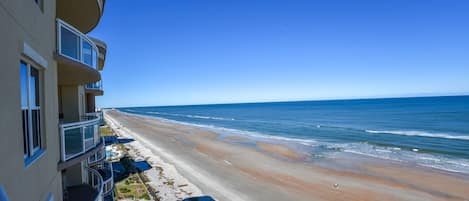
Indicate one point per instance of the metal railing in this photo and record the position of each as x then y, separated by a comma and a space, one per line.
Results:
96, 181
75, 45
92, 115
101, 117
95, 86
105, 169
79, 137
98, 156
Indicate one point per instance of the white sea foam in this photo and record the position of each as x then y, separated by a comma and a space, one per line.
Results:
365, 149
307, 142
387, 153
419, 133
422, 159
223, 130
193, 116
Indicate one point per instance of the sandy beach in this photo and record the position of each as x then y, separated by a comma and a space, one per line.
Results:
228, 170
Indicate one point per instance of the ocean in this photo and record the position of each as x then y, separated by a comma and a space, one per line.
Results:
426, 131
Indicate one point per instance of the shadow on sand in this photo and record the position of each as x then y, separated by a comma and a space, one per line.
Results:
127, 166
108, 140
199, 198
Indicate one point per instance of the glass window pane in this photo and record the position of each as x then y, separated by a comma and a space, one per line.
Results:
25, 131
34, 87
73, 141
69, 43
87, 53
95, 58
24, 84
36, 128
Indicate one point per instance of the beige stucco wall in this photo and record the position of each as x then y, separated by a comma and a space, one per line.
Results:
70, 106
73, 175
72, 102
21, 21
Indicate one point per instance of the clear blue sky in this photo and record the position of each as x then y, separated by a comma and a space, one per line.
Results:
171, 52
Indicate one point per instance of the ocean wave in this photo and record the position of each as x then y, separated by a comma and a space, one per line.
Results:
421, 159
256, 135
365, 149
193, 116
420, 134
230, 131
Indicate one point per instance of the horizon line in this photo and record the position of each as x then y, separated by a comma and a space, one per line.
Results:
305, 100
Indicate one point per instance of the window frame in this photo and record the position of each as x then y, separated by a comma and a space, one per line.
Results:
33, 152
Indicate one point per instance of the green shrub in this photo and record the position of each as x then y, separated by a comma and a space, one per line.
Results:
145, 196
124, 190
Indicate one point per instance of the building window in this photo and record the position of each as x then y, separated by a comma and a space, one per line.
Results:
30, 110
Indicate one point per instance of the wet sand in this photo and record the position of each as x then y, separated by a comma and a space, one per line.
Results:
229, 171
279, 150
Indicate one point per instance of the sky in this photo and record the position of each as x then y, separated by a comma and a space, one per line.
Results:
183, 52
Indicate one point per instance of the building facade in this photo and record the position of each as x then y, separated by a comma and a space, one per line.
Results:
49, 125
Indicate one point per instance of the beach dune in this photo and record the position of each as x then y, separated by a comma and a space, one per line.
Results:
231, 171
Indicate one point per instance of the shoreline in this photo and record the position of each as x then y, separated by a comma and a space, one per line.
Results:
289, 179
302, 146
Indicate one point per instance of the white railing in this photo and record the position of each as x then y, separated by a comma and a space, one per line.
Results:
95, 86
107, 174
75, 45
92, 115
79, 137
98, 156
96, 181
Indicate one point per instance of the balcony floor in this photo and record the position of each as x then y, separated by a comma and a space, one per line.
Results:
81, 193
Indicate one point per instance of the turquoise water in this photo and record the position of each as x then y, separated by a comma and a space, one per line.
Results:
428, 131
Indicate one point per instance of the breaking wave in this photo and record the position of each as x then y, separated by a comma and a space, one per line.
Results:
193, 116
420, 134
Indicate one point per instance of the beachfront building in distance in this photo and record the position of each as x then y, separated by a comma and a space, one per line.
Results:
49, 126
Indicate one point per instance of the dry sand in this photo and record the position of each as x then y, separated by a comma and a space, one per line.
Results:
228, 171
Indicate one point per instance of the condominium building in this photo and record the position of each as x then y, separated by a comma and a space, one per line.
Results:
49, 126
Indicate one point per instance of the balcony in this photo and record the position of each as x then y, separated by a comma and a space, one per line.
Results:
109, 197
105, 169
77, 56
102, 48
83, 14
99, 156
93, 115
101, 117
90, 190
95, 88
80, 140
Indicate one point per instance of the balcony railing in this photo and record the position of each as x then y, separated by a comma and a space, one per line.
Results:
93, 115
79, 137
90, 190
95, 86
98, 156
101, 117
96, 181
109, 196
75, 45
105, 169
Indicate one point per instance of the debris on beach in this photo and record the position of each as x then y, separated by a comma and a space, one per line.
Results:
161, 178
